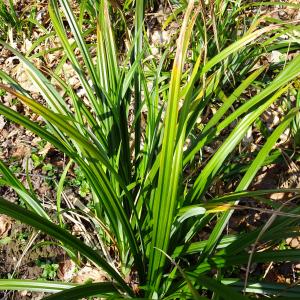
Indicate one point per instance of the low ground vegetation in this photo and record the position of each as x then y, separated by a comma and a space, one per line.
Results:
159, 152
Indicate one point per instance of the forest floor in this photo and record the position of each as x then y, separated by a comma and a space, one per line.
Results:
27, 254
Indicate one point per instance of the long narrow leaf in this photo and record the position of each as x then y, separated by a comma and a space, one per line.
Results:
102, 289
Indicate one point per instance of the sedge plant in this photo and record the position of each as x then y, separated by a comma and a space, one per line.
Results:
138, 135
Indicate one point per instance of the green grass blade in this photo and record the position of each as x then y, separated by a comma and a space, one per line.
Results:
265, 288
198, 247
220, 289
101, 289
138, 48
34, 285
169, 171
242, 259
59, 191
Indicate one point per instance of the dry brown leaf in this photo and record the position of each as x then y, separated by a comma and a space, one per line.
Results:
293, 242
277, 196
89, 273
5, 225
13, 133
66, 270
46, 149
21, 151
2, 123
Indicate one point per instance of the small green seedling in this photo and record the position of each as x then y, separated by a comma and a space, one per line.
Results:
49, 269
